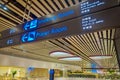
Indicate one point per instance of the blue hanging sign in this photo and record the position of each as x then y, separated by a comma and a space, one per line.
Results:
93, 66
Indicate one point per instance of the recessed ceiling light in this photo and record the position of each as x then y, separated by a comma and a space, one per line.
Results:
60, 54
5, 8
71, 59
100, 57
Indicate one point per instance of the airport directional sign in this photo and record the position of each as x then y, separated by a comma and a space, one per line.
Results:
82, 9
106, 19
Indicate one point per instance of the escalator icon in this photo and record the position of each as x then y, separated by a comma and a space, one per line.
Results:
28, 37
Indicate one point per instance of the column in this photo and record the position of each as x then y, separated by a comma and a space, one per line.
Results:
117, 45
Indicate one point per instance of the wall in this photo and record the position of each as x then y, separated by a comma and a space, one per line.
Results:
6, 60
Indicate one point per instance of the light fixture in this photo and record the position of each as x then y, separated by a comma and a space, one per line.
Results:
101, 57
60, 54
5, 8
74, 58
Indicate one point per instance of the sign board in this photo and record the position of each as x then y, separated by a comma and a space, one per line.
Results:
93, 22
84, 8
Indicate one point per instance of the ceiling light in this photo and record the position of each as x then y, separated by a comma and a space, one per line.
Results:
100, 57
60, 54
5, 8
71, 59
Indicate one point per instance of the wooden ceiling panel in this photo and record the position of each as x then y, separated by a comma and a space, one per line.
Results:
40, 6
64, 3
76, 1
17, 10
58, 4
28, 7
52, 4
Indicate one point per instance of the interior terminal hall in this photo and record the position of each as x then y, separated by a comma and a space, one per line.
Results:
59, 39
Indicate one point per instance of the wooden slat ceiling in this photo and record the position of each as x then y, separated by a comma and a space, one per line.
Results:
97, 43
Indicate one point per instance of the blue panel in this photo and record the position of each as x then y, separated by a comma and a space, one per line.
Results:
51, 31
56, 17
30, 25
51, 73
35, 35
30, 68
66, 14
93, 65
28, 37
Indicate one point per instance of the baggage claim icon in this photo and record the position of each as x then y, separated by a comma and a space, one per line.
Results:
28, 37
